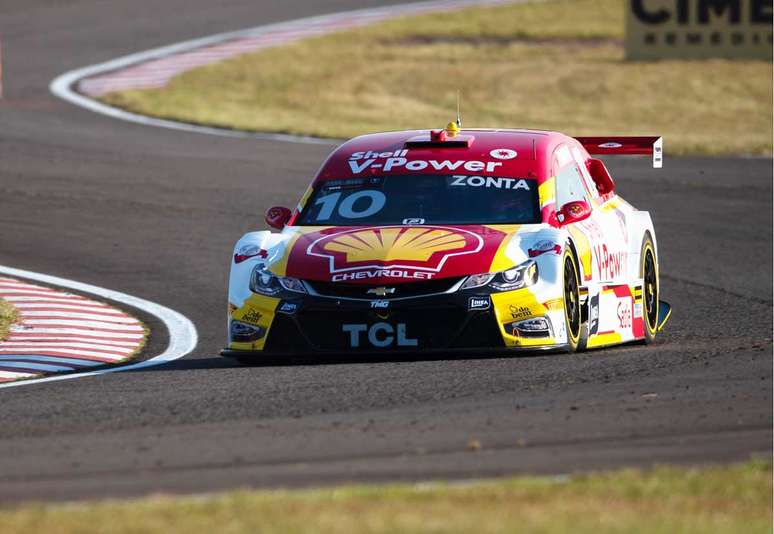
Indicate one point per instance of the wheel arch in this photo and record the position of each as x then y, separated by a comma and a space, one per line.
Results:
576, 258
640, 228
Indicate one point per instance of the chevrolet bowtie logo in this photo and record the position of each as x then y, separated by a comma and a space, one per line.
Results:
381, 291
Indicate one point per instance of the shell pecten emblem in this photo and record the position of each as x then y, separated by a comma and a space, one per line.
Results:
388, 244
416, 248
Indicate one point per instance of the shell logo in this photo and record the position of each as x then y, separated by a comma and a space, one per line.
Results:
421, 248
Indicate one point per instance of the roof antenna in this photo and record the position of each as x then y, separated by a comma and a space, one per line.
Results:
459, 117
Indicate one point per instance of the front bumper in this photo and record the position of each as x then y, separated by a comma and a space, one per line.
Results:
466, 321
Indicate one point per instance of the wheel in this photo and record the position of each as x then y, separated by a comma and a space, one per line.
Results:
572, 307
649, 274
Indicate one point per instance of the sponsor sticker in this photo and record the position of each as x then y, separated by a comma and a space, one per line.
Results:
503, 153
379, 155
381, 291
489, 182
554, 304
479, 303
541, 247
610, 265
398, 163
251, 316
288, 307
519, 312
624, 312
379, 335
380, 304
245, 252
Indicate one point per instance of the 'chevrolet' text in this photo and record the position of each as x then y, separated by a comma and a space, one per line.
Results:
381, 273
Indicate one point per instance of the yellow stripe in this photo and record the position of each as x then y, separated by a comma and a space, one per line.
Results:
305, 198
279, 268
257, 310
604, 339
547, 192
501, 262
610, 205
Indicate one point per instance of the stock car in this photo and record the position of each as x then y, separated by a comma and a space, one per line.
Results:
435, 240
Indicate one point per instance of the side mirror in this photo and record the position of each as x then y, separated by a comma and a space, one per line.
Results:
277, 217
574, 211
601, 177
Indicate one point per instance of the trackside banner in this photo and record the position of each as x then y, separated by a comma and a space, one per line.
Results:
697, 29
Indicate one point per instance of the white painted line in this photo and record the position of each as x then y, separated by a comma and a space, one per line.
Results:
36, 366
51, 359
64, 85
10, 375
64, 354
183, 336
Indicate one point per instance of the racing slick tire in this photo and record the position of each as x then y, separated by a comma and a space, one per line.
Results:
572, 307
649, 275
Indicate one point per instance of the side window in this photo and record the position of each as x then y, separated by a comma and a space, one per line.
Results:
569, 186
591, 187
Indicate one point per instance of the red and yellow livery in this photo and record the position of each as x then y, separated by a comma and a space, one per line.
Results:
451, 239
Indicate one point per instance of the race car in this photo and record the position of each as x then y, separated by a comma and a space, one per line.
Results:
451, 239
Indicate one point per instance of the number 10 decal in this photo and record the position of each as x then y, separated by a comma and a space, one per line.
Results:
346, 208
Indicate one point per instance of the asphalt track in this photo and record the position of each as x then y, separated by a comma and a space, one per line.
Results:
154, 213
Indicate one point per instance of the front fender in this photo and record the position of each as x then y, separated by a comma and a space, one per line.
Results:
253, 248
546, 247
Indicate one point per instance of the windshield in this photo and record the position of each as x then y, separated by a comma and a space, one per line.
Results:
422, 199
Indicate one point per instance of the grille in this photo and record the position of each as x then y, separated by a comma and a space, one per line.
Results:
403, 290
480, 332
433, 328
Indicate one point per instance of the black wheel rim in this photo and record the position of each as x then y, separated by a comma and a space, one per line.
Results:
572, 309
651, 290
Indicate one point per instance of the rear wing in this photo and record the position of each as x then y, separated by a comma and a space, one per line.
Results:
625, 146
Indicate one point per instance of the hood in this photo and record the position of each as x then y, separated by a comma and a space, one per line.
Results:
394, 254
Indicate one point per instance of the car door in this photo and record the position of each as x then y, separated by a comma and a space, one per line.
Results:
600, 238
601, 243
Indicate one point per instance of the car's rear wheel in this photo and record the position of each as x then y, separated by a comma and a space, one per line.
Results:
649, 274
572, 306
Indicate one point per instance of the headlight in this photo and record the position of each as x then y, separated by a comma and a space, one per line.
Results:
522, 275
477, 280
264, 282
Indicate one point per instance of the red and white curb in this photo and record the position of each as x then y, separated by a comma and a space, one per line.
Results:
154, 68
58, 331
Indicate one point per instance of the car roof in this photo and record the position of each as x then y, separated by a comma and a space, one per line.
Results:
490, 152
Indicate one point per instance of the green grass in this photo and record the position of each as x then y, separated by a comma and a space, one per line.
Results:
7, 317
664, 500
557, 64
